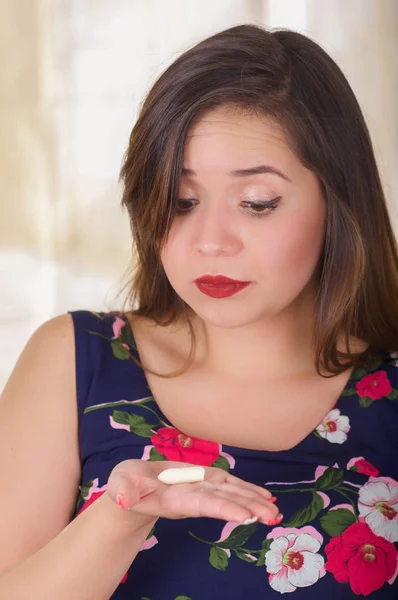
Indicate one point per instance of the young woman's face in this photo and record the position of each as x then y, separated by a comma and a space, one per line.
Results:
249, 210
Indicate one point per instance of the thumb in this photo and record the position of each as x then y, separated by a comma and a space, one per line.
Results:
128, 489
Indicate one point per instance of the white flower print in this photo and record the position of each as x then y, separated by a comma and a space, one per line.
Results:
378, 506
334, 427
292, 560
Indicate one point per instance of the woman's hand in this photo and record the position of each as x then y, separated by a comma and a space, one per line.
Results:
134, 485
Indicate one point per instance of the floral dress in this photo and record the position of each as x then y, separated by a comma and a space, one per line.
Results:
337, 488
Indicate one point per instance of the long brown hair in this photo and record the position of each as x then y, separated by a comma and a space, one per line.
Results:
287, 76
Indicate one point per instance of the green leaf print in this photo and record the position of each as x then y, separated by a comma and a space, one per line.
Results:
243, 556
393, 395
119, 351
137, 423
264, 549
141, 402
140, 427
358, 373
238, 536
126, 336
221, 463
350, 392
365, 401
306, 514
154, 454
218, 558
84, 489
374, 363
122, 417
330, 479
336, 521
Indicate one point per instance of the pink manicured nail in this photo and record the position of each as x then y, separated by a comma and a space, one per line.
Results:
272, 499
275, 521
120, 501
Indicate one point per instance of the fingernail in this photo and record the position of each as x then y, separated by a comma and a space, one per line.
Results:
275, 521
250, 521
272, 499
120, 501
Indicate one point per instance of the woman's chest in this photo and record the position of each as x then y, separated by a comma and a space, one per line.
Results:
270, 416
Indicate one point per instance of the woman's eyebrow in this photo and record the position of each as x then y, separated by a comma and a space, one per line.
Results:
259, 170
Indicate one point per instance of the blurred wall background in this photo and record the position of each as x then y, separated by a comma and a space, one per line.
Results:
72, 75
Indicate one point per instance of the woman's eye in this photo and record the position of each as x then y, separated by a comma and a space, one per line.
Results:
185, 205
261, 208
255, 209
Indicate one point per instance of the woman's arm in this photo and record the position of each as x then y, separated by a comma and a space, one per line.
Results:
86, 561
42, 553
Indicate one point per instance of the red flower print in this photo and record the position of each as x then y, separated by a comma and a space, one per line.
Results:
375, 386
174, 445
94, 496
366, 468
359, 557
360, 465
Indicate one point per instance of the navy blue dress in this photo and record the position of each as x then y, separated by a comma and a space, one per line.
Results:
337, 489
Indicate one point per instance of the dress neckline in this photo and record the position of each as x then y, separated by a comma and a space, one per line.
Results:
251, 452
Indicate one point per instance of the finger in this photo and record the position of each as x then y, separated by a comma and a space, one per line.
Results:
187, 502
221, 476
265, 512
128, 489
249, 492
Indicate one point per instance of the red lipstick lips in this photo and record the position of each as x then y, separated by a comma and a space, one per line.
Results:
219, 286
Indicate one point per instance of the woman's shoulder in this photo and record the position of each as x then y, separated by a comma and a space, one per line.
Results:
163, 348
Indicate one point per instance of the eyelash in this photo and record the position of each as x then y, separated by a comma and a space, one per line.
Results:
271, 205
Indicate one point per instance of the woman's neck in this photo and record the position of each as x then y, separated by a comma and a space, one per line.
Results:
272, 348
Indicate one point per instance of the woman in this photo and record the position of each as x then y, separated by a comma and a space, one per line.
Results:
261, 347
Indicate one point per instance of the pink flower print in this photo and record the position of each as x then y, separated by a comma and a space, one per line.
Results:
320, 471
293, 560
149, 543
116, 425
394, 355
378, 506
228, 457
375, 386
117, 327
346, 506
361, 465
226, 532
147, 452
334, 427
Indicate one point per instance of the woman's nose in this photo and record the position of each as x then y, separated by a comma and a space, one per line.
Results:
215, 235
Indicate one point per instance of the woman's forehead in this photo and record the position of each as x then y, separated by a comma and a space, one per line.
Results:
229, 141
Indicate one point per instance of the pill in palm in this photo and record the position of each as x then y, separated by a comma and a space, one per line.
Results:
182, 475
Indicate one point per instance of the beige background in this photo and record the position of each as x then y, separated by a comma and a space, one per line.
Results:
72, 75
